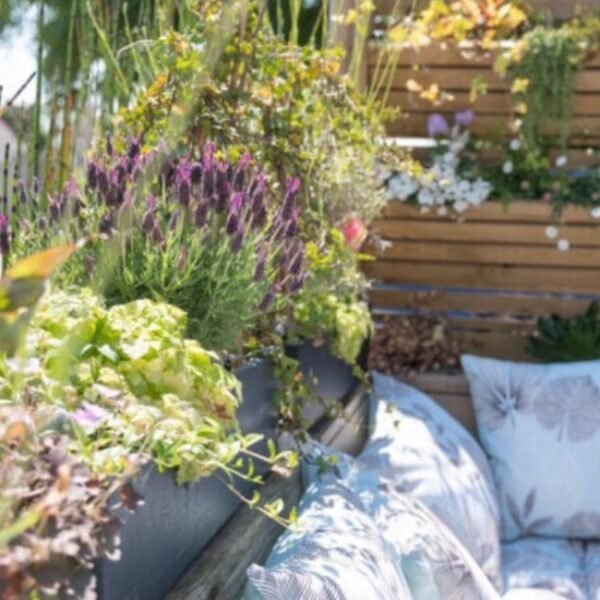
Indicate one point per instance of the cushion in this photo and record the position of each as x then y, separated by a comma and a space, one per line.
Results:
435, 564
555, 568
540, 425
334, 553
425, 452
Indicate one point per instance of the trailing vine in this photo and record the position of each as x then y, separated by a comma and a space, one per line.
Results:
543, 66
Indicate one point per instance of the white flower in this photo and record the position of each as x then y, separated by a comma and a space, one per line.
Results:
402, 186
442, 211
515, 145
508, 167
460, 206
595, 212
563, 245
425, 197
551, 232
561, 161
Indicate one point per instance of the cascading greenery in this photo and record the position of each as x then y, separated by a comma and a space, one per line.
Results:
543, 66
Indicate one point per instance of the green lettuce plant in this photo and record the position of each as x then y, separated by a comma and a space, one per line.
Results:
129, 383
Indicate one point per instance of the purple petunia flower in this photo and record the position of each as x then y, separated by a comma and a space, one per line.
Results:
437, 125
464, 118
89, 416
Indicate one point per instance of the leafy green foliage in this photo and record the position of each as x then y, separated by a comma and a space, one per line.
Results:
289, 107
567, 340
130, 383
330, 306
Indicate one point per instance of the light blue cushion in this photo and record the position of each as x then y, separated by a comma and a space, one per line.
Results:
423, 451
540, 425
435, 563
335, 553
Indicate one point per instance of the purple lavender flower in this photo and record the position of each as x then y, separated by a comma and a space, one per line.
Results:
103, 183
134, 148
464, 118
22, 192
184, 185
437, 125
196, 173
289, 200
89, 416
269, 297
296, 284
156, 234
233, 223
107, 223
4, 235
239, 176
261, 263
237, 241
296, 263
201, 214
92, 175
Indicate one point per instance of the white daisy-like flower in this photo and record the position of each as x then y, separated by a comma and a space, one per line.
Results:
515, 145
551, 232
442, 211
563, 245
595, 212
460, 206
425, 197
561, 161
508, 167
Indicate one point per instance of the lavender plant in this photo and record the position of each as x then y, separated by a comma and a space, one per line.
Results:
202, 234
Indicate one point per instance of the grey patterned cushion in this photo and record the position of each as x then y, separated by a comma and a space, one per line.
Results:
426, 453
540, 425
335, 553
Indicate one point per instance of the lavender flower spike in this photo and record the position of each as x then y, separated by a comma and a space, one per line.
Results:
437, 125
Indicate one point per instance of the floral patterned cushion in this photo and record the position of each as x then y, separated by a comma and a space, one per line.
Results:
426, 453
555, 568
435, 563
335, 553
540, 425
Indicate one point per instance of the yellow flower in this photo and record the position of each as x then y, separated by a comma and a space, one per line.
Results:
351, 17
519, 85
366, 7
521, 108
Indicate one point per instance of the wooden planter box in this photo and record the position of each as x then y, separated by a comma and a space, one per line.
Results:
491, 274
454, 69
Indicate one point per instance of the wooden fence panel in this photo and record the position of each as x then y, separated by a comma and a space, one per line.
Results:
489, 276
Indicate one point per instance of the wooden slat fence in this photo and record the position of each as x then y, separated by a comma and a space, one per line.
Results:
454, 70
489, 275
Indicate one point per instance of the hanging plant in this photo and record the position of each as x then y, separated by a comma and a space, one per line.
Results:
542, 67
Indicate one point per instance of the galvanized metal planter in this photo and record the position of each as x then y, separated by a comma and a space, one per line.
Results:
169, 531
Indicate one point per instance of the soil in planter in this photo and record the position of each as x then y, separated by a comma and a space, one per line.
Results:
412, 344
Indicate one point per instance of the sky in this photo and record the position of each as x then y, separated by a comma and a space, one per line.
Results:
17, 61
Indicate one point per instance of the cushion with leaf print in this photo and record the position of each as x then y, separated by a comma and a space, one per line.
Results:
436, 565
554, 568
540, 426
335, 552
426, 453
